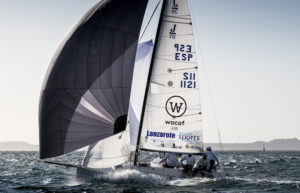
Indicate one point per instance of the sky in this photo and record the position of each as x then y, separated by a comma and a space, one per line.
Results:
248, 53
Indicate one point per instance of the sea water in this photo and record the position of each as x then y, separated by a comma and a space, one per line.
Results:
251, 171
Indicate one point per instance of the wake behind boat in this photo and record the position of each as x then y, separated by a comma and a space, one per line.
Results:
91, 174
109, 90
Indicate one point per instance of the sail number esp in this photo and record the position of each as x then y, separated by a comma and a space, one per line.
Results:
183, 52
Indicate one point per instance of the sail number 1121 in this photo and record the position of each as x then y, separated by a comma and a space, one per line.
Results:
189, 80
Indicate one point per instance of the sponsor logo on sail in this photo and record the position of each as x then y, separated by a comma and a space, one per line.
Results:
160, 134
196, 147
174, 7
174, 123
173, 32
176, 106
189, 137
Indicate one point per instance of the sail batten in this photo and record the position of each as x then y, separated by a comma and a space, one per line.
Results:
87, 86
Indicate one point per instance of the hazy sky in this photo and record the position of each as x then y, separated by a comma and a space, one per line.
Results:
251, 50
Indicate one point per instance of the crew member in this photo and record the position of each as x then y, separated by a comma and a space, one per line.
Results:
190, 161
170, 160
212, 159
202, 165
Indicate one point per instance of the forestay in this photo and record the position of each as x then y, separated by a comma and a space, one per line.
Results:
172, 119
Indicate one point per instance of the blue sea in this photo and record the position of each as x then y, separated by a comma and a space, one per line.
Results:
245, 172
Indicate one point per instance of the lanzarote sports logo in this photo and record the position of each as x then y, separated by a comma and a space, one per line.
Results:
176, 106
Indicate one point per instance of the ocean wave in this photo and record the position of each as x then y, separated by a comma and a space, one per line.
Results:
230, 163
264, 180
246, 172
131, 176
279, 160
189, 182
136, 177
256, 161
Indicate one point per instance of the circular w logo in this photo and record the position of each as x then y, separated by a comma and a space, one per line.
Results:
176, 106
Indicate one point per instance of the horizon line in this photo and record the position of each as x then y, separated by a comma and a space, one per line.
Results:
204, 142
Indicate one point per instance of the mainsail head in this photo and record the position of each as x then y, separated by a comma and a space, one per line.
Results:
85, 95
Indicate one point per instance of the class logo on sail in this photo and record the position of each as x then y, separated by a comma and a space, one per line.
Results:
174, 7
176, 106
173, 32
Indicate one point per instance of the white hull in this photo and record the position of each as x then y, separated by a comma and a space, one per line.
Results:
169, 173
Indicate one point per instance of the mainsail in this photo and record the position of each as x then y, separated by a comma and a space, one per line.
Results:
172, 117
85, 95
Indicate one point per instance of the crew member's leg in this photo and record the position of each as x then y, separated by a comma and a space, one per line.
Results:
201, 169
211, 165
189, 169
195, 171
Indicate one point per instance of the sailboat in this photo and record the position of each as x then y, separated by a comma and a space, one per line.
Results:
108, 90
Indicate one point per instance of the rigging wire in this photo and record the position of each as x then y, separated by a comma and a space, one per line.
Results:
208, 87
149, 20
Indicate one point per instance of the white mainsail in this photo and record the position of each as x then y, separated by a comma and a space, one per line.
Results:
172, 118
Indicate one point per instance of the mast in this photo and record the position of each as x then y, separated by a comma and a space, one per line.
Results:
148, 83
